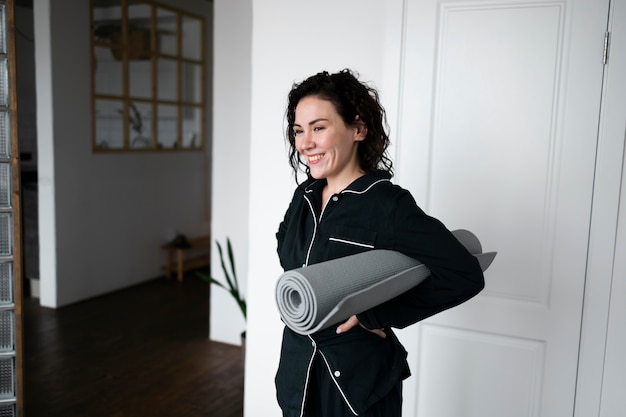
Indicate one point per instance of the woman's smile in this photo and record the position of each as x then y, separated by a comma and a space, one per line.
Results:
313, 159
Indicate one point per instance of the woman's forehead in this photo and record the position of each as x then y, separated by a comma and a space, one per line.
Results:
313, 106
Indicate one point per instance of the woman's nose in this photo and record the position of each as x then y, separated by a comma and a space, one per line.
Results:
306, 141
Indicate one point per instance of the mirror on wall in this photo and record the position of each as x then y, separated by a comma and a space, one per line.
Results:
148, 77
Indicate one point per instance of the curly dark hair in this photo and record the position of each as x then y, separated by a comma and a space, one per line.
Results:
351, 99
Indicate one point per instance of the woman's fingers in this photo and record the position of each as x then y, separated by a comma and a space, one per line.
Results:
354, 321
347, 325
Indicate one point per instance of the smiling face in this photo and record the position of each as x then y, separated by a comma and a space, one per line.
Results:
326, 143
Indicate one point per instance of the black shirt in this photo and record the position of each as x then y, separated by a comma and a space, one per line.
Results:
371, 213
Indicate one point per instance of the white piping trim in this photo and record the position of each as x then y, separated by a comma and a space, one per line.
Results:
330, 372
308, 377
308, 252
325, 205
308, 187
351, 242
367, 189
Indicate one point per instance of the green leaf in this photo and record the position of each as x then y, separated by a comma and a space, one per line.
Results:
231, 259
229, 280
232, 283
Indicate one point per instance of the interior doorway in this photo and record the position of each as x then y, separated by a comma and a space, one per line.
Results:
27, 136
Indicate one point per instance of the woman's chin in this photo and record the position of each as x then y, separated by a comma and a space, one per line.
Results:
317, 174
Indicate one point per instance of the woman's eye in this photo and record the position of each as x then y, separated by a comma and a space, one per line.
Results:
318, 128
296, 132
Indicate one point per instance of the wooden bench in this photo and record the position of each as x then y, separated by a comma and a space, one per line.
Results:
197, 255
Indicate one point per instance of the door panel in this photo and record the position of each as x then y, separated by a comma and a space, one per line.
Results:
506, 71
444, 354
499, 120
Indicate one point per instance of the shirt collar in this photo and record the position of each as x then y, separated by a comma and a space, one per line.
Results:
359, 186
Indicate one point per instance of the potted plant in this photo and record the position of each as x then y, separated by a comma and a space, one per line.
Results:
232, 283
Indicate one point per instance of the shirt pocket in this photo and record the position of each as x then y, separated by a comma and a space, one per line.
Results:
348, 240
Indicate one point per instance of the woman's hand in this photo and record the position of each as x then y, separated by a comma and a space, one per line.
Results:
353, 321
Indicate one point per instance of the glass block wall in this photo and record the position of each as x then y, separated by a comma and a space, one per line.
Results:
8, 390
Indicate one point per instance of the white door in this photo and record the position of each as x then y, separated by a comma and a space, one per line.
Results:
498, 130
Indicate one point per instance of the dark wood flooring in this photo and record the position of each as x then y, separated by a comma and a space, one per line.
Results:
139, 352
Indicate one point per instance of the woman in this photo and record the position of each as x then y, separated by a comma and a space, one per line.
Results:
336, 132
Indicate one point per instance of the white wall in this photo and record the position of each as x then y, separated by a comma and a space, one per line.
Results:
102, 217
231, 161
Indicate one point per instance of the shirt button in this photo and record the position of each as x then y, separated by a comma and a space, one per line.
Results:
335, 198
337, 374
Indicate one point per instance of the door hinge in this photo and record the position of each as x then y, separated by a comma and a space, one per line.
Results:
605, 52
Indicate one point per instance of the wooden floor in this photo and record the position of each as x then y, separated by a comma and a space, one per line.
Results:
141, 352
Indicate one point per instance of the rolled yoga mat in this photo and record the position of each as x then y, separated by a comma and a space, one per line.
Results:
315, 297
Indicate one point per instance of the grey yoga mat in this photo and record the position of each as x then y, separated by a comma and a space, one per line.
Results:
315, 297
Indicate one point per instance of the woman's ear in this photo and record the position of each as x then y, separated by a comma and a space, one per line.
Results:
360, 129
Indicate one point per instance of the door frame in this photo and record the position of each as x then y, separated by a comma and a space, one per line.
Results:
602, 254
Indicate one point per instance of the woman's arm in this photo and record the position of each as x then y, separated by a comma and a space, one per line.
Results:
455, 276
